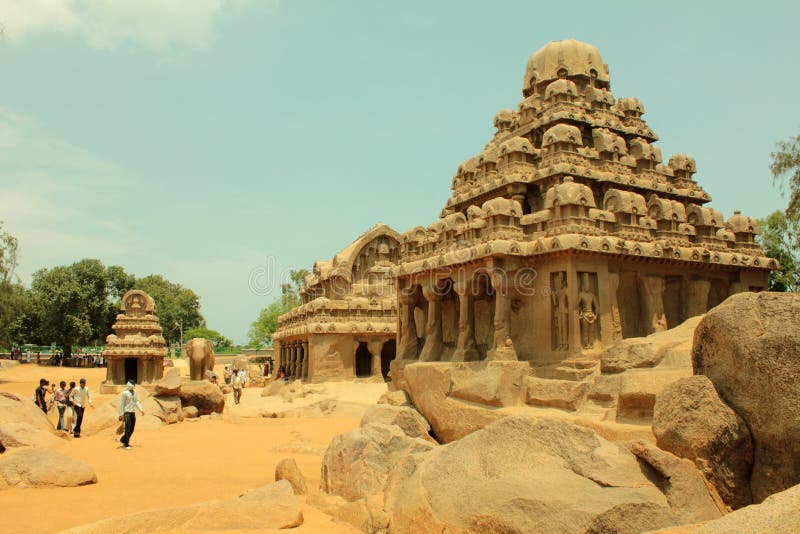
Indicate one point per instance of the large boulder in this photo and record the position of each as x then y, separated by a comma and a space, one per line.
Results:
679, 480
691, 421
275, 387
16, 409
778, 514
168, 409
522, 474
748, 346
27, 435
407, 418
169, 384
357, 464
639, 389
367, 515
205, 396
668, 349
33, 467
395, 398
430, 386
287, 469
273, 506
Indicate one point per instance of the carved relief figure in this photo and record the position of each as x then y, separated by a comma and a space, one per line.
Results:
560, 312
587, 313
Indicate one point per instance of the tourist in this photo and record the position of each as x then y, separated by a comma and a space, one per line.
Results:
60, 398
28, 356
266, 368
69, 420
243, 377
227, 374
128, 404
40, 395
80, 396
39, 357
237, 388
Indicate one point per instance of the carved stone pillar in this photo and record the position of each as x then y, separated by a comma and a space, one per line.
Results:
306, 358
696, 297
466, 346
408, 342
651, 290
375, 347
432, 350
292, 359
502, 346
296, 360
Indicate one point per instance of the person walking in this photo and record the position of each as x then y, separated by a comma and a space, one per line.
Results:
128, 404
60, 398
237, 388
80, 396
40, 395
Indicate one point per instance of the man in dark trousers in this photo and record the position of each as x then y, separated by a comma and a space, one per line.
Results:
80, 397
40, 394
128, 404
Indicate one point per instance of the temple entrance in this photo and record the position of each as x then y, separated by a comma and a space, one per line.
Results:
132, 370
363, 360
387, 355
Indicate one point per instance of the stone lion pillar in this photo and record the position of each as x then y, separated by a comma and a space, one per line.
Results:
408, 342
466, 347
651, 291
432, 350
306, 358
502, 345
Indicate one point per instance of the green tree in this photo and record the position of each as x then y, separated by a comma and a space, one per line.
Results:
777, 241
261, 330
177, 307
72, 304
206, 333
13, 296
785, 167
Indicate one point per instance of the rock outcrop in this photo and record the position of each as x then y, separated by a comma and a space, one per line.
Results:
27, 435
287, 469
34, 467
273, 506
16, 409
357, 464
169, 384
522, 474
691, 421
205, 396
669, 349
407, 418
748, 347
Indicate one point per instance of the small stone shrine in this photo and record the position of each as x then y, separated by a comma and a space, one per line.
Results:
135, 351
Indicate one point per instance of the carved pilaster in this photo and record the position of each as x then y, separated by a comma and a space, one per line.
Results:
466, 347
432, 350
408, 340
306, 358
651, 290
502, 346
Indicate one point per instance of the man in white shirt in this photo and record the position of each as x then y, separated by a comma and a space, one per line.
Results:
80, 397
128, 404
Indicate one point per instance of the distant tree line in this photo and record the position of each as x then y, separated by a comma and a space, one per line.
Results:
266, 324
76, 304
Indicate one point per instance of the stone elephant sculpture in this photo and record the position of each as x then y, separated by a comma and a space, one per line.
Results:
201, 357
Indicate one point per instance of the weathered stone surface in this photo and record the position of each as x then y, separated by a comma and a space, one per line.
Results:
691, 421
273, 388
367, 515
495, 383
190, 412
407, 418
748, 346
357, 464
395, 398
673, 347
564, 394
287, 469
525, 475
778, 514
273, 506
27, 435
429, 385
16, 409
170, 383
293, 390
33, 467
638, 391
167, 409
102, 419
680, 481
205, 396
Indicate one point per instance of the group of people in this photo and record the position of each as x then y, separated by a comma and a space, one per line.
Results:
71, 403
237, 378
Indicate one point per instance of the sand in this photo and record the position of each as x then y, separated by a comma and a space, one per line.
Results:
179, 464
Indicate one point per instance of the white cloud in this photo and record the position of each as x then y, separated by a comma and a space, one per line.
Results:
156, 24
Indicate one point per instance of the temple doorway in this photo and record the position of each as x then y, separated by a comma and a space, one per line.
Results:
363, 360
132, 370
387, 355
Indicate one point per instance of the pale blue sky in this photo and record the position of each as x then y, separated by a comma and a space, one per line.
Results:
205, 139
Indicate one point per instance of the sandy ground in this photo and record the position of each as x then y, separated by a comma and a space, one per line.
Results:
180, 464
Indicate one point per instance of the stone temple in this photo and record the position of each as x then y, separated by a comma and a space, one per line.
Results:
566, 234
347, 323
135, 351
